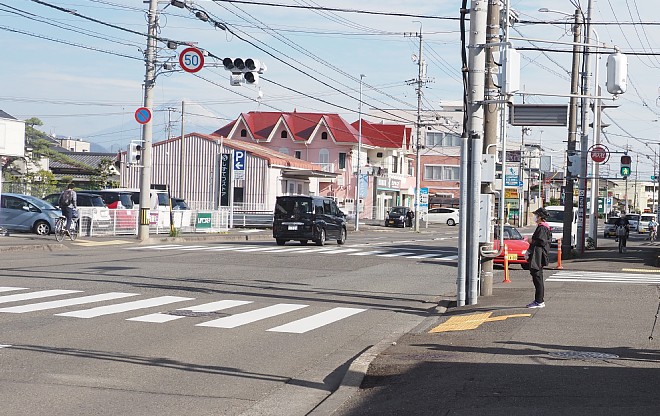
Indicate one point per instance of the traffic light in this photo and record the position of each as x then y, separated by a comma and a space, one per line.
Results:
625, 165
134, 153
574, 164
246, 71
617, 73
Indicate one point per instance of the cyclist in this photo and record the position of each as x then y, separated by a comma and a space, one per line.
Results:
622, 227
68, 202
653, 229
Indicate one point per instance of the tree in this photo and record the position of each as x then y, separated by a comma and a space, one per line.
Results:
102, 174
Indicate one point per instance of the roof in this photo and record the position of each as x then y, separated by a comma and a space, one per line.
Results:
5, 115
384, 135
87, 158
301, 125
273, 157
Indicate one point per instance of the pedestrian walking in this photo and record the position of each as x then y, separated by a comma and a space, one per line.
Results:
68, 203
410, 215
538, 255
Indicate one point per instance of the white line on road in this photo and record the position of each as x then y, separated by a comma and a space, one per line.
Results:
4, 345
206, 307
403, 253
339, 250
36, 295
422, 256
316, 321
124, 307
9, 289
252, 316
65, 302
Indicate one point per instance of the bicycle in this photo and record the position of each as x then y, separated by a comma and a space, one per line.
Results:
61, 232
653, 234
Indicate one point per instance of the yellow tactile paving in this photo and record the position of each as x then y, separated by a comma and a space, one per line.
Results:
465, 322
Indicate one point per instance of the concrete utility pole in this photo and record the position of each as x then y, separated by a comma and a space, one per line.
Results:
357, 171
491, 116
566, 244
418, 125
584, 139
182, 155
147, 128
476, 82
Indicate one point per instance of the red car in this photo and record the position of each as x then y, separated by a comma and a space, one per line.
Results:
517, 246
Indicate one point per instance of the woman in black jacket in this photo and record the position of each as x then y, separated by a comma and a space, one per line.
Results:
538, 255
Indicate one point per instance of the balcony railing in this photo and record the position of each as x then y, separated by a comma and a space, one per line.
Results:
326, 167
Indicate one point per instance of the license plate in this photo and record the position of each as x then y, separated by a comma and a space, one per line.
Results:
293, 227
512, 257
391, 222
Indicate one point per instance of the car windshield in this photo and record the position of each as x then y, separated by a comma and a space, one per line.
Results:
555, 216
126, 200
39, 203
612, 220
287, 207
398, 210
632, 217
96, 201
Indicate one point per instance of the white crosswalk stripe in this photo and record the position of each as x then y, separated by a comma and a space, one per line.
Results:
252, 316
11, 289
35, 295
605, 277
66, 302
124, 307
298, 326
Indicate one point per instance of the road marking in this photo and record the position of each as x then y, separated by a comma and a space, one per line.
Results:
466, 322
4, 346
92, 243
9, 289
124, 307
206, 307
366, 253
403, 253
252, 316
339, 251
422, 256
449, 258
229, 248
151, 247
603, 277
36, 295
316, 321
255, 249
641, 270
283, 250
188, 248
65, 302
172, 247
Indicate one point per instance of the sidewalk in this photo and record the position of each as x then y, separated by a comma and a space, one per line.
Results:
587, 353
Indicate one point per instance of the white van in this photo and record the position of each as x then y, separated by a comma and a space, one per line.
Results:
556, 222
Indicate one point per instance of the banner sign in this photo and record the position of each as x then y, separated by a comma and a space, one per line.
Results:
203, 220
225, 179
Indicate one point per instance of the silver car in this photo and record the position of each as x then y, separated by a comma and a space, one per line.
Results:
26, 213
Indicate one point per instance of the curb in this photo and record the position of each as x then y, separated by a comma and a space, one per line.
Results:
356, 372
34, 247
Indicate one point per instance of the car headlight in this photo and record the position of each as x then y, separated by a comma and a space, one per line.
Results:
53, 215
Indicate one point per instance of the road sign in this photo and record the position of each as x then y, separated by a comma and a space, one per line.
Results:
511, 180
191, 59
599, 153
239, 164
143, 115
424, 198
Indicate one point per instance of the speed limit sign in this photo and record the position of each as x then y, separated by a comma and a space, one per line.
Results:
191, 59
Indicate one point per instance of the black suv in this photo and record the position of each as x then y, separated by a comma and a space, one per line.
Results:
305, 218
398, 217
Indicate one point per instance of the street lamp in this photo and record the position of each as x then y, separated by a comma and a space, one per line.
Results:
357, 170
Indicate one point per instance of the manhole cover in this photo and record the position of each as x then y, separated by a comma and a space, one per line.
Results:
190, 313
578, 355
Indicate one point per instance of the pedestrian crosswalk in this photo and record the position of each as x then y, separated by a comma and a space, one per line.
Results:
605, 277
415, 254
193, 311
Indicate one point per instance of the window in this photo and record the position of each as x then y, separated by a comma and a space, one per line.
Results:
379, 154
342, 160
300, 188
395, 164
436, 138
298, 154
284, 134
324, 156
441, 173
324, 135
243, 133
411, 169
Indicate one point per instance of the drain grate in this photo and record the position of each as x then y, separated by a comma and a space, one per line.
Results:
582, 355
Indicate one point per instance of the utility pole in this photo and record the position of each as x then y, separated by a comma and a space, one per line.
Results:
491, 116
182, 155
147, 128
357, 171
566, 243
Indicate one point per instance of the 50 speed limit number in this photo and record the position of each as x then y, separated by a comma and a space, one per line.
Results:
191, 59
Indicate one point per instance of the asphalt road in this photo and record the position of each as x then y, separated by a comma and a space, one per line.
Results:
207, 328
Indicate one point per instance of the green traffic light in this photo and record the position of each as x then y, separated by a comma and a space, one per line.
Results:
625, 171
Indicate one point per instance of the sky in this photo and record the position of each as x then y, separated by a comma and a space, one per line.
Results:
82, 73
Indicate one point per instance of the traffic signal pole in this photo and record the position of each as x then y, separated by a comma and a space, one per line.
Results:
147, 128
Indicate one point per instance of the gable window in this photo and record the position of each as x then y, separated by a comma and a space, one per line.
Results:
298, 154
342, 160
284, 134
244, 133
324, 135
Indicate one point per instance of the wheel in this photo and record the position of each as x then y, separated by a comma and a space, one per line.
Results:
280, 242
451, 222
303, 242
73, 233
342, 237
41, 228
59, 231
321, 239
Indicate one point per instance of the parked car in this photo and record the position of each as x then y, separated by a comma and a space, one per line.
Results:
179, 203
91, 209
113, 199
610, 227
633, 219
26, 213
516, 244
304, 218
643, 226
447, 216
397, 217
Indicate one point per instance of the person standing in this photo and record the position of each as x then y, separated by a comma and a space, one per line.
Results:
410, 215
68, 202
538, 255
